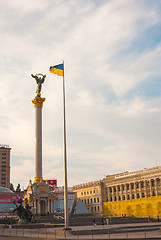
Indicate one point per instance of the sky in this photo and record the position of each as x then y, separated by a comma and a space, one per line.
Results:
112, 64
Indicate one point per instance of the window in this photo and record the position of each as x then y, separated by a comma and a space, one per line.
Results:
87, 192
84, 193
115, 198
119, 188
138, 196
143, 195
111, 199
85, 201
98, 208
91, 200
142, 184
137, 185
110, 189
91, 209
94, 200
128, 197
123, 187
94, 191
114, 188
132, 186
90, 192
123, 197
81, 193
95, 209
133, 197
119, 198
152, 183
97, 199
88, 201
127, 186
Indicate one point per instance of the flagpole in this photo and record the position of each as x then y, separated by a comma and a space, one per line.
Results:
66, 217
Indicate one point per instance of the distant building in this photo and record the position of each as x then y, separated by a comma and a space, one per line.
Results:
135, 193
91, 194
5, 165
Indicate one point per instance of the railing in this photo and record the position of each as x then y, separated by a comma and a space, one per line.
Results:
95, 232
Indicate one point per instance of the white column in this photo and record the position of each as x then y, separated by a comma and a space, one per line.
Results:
38, 143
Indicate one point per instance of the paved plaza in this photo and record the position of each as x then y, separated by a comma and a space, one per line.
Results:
121, 231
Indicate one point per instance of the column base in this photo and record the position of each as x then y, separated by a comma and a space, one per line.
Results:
38, 179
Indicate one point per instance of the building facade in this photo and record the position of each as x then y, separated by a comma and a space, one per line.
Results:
91, 194
115, 194
133, 185
5, 166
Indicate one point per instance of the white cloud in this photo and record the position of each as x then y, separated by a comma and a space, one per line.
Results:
103, 136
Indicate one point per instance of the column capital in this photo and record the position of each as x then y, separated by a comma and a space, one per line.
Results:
38, 102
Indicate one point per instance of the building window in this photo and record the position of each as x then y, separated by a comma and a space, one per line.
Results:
91, 200
137, 185
119, 198
123, 197
97, 199
115, 198
114, 188
94, 200
110, 189
142, 184
81, 193
132, 186
87, 192
133, 196
128, 197
127, 186
138, 196
85, 201
94, 191
152, 183
153, 193
95, 209
111, 199
119, 188
143, 195
123, 188
98, 208
84, 193
88, 201
91, 209
90, 192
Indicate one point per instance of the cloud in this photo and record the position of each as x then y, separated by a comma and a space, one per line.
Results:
111, 125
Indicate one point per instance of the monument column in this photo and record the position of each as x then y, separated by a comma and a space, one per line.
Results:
38, 103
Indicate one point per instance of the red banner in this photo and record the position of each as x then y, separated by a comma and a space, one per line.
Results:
9, 198
52, 183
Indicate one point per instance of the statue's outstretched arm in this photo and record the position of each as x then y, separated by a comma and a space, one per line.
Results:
33, 76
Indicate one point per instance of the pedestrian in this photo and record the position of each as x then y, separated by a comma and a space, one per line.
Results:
102, 222
94, 222
107, 221
158, 219
10, 226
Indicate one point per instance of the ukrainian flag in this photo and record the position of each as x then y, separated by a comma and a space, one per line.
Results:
57, 69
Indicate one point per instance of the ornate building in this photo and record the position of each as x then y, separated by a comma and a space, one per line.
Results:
133, 185
5, 165
140, 189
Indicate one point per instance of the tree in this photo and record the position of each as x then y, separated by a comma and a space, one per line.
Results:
12, 187
18, 188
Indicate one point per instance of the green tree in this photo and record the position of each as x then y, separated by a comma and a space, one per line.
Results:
12, 187
18, 188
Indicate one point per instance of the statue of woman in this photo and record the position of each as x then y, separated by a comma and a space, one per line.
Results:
39, 81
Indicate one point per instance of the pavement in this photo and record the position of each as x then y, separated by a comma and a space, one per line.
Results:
115, 231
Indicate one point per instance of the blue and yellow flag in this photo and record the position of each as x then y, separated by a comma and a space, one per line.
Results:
57, 69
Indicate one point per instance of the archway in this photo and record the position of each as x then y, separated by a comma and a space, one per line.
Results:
149, 210
42, 207
128, 210
138, 210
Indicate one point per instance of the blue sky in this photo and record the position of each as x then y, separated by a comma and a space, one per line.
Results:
112, 54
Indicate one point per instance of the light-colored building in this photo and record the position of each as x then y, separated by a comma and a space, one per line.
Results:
133, 185
5, 165
91, 195
129, 193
